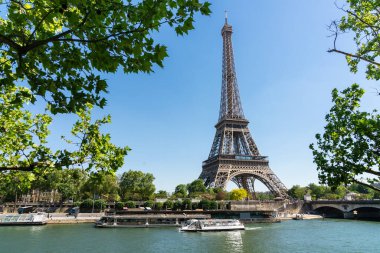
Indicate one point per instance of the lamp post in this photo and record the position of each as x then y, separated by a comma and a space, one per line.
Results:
93, 203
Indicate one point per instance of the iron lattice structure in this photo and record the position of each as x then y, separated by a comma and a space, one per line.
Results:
234, 155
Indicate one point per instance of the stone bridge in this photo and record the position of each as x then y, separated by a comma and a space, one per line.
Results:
346, 208
266, 206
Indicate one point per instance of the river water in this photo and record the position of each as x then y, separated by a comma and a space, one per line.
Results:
289, 236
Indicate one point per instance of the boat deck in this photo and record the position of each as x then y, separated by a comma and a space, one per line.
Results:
147, 220
20, 220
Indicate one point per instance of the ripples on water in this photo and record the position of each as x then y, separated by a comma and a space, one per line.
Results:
290, 236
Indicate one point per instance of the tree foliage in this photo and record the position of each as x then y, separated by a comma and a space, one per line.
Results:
177, 205
186, 204
363, 192
158, 206
362, 19
130, 204
15, 183
222, 195
67, 182
264, 195
161, 194
297, 192
349, 150
238, 194
168, 204
60, 48
24, 145
57, 51
180, 191
197, 186
102, 185
204, 204
136, 185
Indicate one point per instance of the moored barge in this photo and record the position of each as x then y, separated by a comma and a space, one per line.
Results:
146, 220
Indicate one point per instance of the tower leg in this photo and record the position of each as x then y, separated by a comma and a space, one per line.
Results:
246, 182
243, 177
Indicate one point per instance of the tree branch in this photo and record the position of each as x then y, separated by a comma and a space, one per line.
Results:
361, 20
377, 173
30, 167
367, 185
46, 164
37, 43
354, 56
112, 34
9, 42
39, 24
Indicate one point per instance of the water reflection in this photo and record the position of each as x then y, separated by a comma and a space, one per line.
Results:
223, 241
234, 241
36, 229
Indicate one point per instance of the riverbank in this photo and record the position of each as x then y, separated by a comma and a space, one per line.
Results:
91, 218
304, 217
63, 218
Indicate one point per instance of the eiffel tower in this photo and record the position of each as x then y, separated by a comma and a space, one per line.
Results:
234, 155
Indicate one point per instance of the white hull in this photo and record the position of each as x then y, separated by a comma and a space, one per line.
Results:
213, 225
213, 229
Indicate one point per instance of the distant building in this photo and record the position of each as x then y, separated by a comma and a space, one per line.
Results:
160, 200
350, 196
36, 196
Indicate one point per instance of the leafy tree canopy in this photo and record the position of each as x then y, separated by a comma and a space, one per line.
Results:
238, 194
362, 19
349, 150
181, 190
59, 48
161, 194
297, 192
136, 185
24, 146
197, 186
102, 184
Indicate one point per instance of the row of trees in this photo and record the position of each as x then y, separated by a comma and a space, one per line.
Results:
325, 192
79, 184
197, 189
177, 205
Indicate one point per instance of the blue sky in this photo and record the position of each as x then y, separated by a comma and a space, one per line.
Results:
285, 78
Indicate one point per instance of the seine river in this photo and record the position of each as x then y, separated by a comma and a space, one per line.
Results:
288, 236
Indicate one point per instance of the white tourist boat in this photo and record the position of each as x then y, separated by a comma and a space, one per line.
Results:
211, 225
23, 219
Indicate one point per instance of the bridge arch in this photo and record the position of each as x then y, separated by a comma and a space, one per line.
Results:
330, 212
366, 213
364, 207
